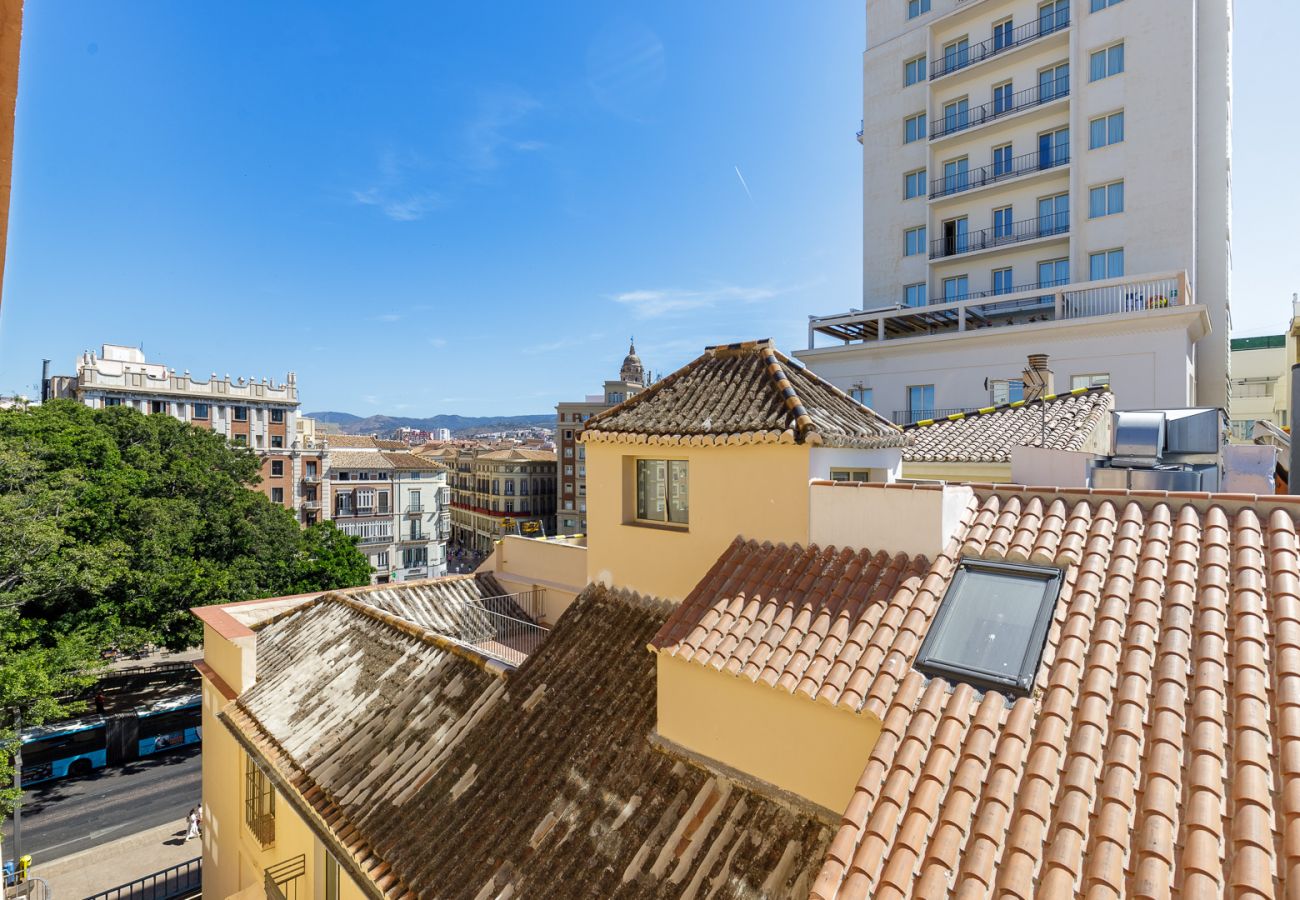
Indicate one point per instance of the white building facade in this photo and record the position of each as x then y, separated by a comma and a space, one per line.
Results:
1035, 174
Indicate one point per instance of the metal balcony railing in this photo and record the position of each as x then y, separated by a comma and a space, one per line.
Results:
286, 880
955, 60
979, 295
1039, 161
181, 880
958, 243
960, 120
908, 416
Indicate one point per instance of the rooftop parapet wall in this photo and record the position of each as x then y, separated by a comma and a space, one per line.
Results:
117, 375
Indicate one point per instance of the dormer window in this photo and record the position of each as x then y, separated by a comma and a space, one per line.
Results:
991, 626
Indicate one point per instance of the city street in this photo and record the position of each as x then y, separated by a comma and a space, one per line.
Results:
64, 817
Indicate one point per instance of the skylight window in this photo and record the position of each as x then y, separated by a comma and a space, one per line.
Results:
991, 626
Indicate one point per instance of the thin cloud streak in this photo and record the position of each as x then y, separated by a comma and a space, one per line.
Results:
652, 304
743, 184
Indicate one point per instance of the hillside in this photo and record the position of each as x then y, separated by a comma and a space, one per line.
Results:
352, 424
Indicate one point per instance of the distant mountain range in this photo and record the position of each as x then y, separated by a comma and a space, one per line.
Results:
353, 424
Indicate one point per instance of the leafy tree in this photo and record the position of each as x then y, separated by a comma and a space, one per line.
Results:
113, 524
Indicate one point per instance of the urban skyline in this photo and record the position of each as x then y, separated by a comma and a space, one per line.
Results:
526, 148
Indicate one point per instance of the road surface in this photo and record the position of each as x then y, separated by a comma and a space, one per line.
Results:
64, 817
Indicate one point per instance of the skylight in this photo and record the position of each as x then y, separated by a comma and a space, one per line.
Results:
991, 626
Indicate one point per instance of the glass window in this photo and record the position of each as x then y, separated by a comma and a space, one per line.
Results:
917, 7
277, 495
1106, 200
1053, 82
1002, 34
1106, 264
914, 184
241, 413
112, 401
991, 625
956, 115
956, 288
1002, 94
955, 175
1053, 215
1095, 379
277, 441
920, 401
277, 467
862, 475
1105, 63
157, 406
1106, 130
914, 241
914, 71
1099, 5
662, 491
277, 416
1053, 15
1006, 390
201, 411
862, 395
1002, 160
914, 294
1002, 282
914, 128
259, 803
1053, 272
956, 55
1002, 222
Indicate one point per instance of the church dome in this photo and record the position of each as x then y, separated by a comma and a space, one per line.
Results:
632, 372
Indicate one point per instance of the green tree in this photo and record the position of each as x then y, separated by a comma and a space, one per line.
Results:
113, 524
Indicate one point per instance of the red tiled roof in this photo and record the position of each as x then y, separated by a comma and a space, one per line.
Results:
1160, 750
808, 621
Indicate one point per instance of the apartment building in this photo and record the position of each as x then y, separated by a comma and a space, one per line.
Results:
1040, 177
571, 496
397, 505
261, 414
496, 492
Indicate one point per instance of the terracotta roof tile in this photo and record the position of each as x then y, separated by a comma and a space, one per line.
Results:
1160, 750
1060, 422
442, 780
748, 392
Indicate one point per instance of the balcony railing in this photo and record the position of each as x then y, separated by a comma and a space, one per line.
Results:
181, 880
958, 243
1040, 161
955, 60
286, 880
908, 416
1026, 305
1046, 92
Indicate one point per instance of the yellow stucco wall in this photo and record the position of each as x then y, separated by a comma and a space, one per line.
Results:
756, 490
982, 473
811, 749
233, 860
557, 568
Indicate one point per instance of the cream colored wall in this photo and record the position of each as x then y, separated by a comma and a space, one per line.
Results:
985, 473
759, 491
1256, 365
524, 564
919, 520
221, 798
811, 749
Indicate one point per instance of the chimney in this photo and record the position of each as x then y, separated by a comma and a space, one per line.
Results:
45, 381
1038, 378
906, 518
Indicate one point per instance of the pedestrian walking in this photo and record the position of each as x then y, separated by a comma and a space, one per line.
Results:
192, 824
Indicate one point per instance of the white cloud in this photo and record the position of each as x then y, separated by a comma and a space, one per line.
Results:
399, 206
388, 317
490, 131
438, 342
650, 304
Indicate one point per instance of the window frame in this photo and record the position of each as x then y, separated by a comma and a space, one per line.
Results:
921, 290
1108, 54
666, 521
1092, 379
914, 184
914, 70
1108, 194
1021, 686
914, 241
920, 132
917, 8
1107, 123
239, 413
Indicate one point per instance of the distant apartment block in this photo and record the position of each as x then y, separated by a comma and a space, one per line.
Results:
496, 492
262, 415
571, 493
1040, 177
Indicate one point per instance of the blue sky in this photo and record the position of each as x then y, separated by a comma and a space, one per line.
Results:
469, 208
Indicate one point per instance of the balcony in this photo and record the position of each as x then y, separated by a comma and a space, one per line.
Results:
1039, 94
414, 511
1041, 27
958, 243
311, 479
908, 416
1044, 303
995, 173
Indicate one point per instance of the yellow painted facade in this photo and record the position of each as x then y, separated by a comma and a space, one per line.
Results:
755, 490
557, 568
234, 860
811, 749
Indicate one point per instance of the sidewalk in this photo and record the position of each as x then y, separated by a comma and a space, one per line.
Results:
117, 862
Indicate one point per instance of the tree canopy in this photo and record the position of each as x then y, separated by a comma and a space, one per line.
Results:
114, 523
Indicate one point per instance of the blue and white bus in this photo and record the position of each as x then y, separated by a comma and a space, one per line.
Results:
168, 724
80, 746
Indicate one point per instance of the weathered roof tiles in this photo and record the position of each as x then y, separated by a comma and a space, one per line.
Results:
744, 393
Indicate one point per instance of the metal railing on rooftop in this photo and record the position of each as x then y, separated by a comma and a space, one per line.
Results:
511, 640
1040, 161
181, 880
958, 243
960, 120
954, 59
908, 416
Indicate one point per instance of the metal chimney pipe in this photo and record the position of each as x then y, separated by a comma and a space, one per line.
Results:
1293, 464
45, 380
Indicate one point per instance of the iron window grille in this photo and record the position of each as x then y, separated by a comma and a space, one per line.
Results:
259, 803
991, 626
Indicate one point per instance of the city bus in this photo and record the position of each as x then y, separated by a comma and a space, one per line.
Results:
78, 747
